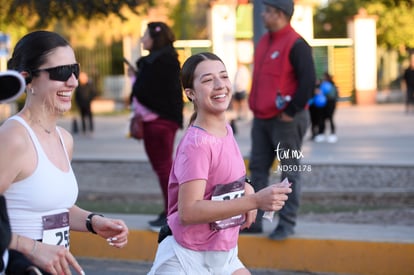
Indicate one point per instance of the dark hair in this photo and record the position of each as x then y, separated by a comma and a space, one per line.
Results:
187, 73
190, 65
328, 77
32, 49
161, 35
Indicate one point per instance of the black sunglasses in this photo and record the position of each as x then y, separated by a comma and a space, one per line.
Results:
61, 73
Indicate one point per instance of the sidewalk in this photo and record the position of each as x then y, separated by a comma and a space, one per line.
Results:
380, 135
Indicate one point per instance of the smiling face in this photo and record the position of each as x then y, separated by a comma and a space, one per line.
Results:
55, 95
212, 87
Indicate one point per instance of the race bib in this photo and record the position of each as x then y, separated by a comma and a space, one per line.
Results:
56, 229
229, 191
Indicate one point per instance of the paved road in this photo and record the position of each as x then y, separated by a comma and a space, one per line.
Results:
111, 267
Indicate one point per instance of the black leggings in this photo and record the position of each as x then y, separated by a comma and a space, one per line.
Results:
328, 113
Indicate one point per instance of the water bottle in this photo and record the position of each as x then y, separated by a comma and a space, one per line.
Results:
281, 101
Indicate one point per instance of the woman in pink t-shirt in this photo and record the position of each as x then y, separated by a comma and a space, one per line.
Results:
209, 198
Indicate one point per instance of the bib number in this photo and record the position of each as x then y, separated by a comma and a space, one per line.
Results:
229, 191
56, 229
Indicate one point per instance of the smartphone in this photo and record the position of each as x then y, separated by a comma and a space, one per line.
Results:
129, 64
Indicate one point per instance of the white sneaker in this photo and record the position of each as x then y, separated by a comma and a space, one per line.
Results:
320, 138
332, 138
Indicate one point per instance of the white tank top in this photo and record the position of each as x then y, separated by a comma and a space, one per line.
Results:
47, 191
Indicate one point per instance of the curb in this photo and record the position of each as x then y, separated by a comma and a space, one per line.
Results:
295, 254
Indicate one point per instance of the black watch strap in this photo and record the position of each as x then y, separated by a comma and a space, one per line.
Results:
89, 222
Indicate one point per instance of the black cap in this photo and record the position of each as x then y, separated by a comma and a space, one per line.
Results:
284, 5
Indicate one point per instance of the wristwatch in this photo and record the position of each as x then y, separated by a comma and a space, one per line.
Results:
89, 222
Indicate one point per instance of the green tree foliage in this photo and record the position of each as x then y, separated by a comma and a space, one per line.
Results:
47, 11
18, 26
18, 17
190, 19
395, 21
395, 28
331, 21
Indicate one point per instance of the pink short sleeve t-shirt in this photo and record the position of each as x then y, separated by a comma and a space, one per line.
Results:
218, 161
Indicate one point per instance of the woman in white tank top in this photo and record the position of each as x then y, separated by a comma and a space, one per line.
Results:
36, 176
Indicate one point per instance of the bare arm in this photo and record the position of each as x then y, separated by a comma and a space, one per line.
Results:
14, 159
194, 209
250, 215
114, 231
